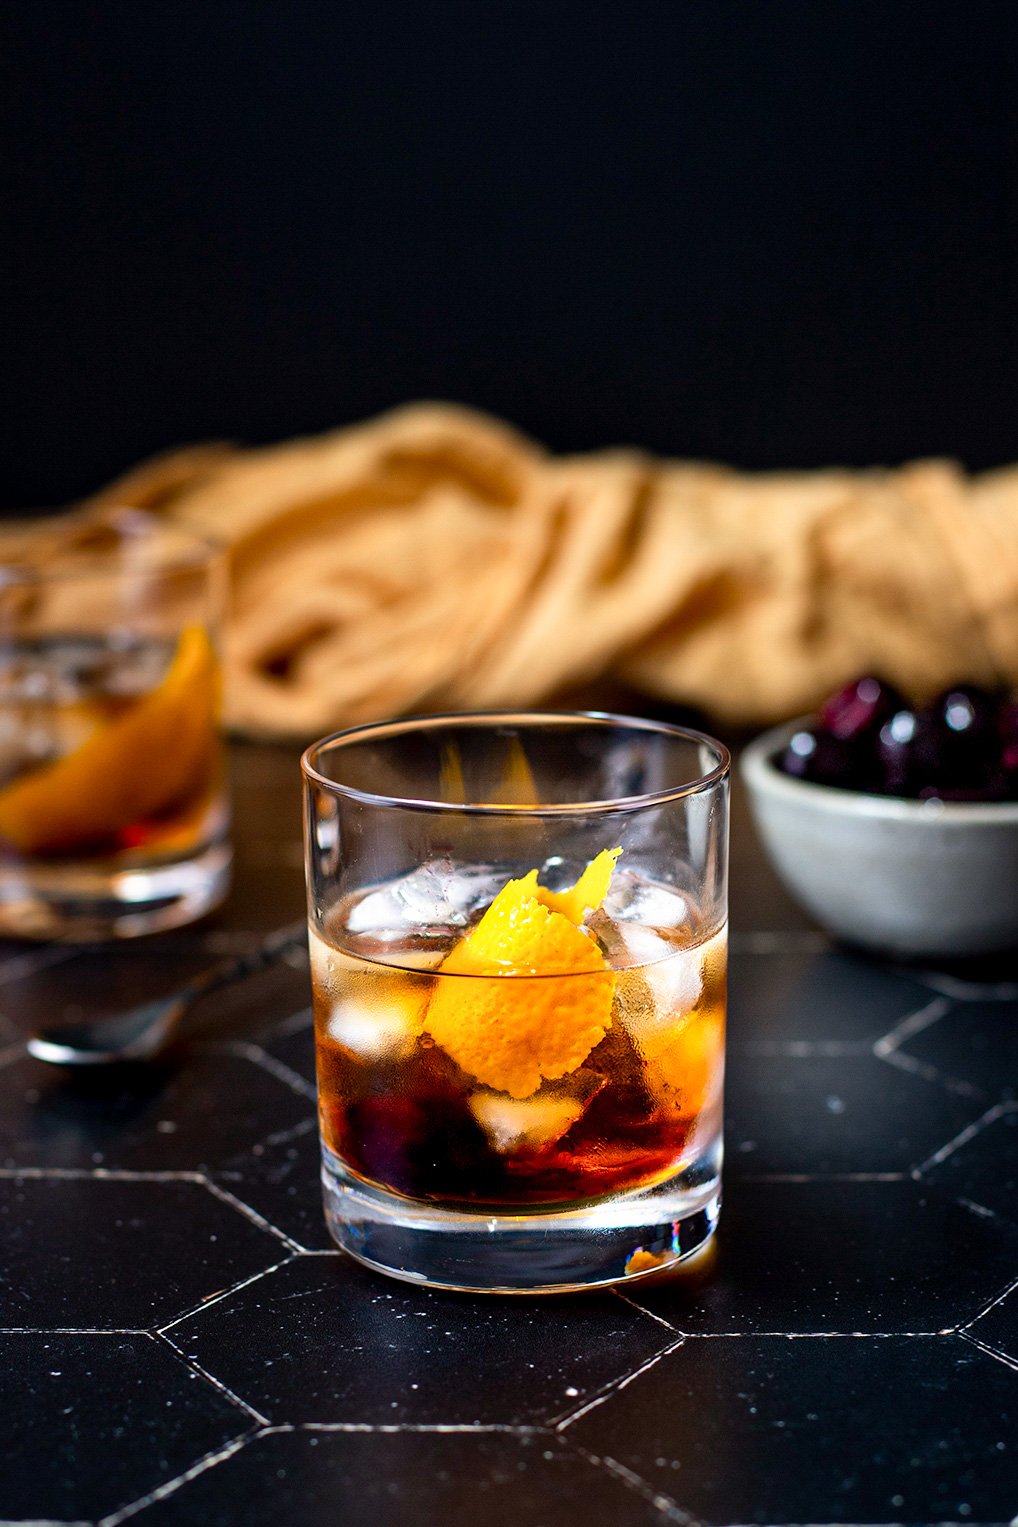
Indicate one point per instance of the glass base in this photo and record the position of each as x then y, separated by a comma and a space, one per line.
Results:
613, 1241
77, 903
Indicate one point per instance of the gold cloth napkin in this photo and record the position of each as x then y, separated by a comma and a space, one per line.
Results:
435, 559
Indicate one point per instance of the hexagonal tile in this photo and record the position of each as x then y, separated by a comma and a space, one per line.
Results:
321, 1478
293, 1043
193, 1110
251, 1007
88, 1252
93, 1422
976, 1042
322, 1339
840, 1256
998, 1328
824, 995
821, 1114
984, 1167
838, 1429
281, 1179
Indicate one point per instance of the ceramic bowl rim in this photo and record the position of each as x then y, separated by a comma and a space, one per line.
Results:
761, 774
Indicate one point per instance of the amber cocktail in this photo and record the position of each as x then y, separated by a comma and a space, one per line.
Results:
113, 815
520, 1063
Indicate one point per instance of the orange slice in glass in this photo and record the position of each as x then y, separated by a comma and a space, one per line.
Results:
526, 995
139, 764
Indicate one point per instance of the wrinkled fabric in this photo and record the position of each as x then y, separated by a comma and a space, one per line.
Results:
435, 559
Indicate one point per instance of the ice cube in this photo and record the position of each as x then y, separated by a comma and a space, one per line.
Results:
661, 982
634, 899
382, 1029
439, 896
676, 981
514, 1124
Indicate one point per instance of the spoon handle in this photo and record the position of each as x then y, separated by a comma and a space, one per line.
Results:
293, 936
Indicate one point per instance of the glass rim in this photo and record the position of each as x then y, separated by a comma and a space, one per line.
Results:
618, 804
27, 567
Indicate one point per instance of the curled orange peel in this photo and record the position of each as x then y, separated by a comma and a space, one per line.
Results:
141, 763
543, 1022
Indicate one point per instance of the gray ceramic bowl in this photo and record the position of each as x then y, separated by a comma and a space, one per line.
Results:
904, 877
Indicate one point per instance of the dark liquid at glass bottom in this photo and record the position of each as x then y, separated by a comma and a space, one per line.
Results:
408, 1126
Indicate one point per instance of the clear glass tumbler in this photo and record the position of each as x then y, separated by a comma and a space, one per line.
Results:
113, 805
518, 929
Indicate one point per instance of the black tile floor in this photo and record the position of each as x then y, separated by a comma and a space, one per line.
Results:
179, 1344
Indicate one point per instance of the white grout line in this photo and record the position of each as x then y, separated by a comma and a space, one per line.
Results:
617, 1385
296, 1023
74, 1331
968, 991
983, 1213
425, 1428
825, 1177
998, 1299
194, 1366
97, 1174
911, 1025
206, 1304
928, 1073
282, 1137
669, 1509
259, 1057
968, 1133
809, 1335
262, 1223
628, 1299
801, 1048
1001, 1357
40, 1521
209, 1461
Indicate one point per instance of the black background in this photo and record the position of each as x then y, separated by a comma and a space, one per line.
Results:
778, 233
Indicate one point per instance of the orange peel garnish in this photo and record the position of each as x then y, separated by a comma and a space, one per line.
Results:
588, 892
133, 767
547, 999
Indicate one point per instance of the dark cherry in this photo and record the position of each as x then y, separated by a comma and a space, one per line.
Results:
905, 749
860, 709
797, 759
966, 744
961, 747
966, 708
826, 760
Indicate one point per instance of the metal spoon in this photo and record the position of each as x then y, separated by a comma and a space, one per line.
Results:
141, 1032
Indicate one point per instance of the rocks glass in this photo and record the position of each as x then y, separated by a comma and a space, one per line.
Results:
518, 928
113, 807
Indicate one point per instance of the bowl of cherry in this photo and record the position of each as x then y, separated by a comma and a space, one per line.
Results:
896, 825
